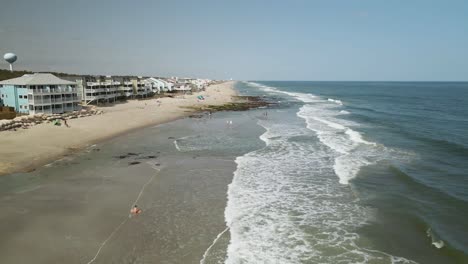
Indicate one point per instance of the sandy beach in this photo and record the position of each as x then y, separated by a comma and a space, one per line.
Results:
76, 209
23, 150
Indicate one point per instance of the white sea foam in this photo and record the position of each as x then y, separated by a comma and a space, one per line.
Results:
353, 151
285, 205
338, 136
344, 112
438, 243
177, 146
307, 98
335, 101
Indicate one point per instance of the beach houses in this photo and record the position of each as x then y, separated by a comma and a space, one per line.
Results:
97, 89
141, 88
40, 93
108, 89
159, 85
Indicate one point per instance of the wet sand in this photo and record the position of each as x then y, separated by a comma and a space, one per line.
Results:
62, 213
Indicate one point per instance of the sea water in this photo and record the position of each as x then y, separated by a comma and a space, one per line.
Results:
354, 172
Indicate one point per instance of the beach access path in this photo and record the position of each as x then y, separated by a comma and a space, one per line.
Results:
26, 149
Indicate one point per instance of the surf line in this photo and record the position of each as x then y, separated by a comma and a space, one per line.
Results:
124, 221
202, 261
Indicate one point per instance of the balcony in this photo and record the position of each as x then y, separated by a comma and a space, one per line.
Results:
52, 91
40, 102
90, 98
99, 90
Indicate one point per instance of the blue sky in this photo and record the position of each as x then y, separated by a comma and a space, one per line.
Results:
244, 40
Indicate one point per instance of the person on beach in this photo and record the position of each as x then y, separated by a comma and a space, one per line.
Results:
135, 210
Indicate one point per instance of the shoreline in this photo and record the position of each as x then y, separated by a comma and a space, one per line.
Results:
26, 150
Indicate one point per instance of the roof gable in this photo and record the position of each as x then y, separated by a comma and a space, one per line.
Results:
37, 79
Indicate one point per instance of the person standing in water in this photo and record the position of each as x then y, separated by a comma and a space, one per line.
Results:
135, 210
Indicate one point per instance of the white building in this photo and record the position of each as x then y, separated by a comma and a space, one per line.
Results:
106, 91
141, 88
168, 86
126, 90
159, 86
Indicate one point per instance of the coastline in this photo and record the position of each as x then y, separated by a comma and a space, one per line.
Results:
25, 150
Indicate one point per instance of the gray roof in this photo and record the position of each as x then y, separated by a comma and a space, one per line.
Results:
36, 79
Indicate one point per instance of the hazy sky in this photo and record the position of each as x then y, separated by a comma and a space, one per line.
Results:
255, 40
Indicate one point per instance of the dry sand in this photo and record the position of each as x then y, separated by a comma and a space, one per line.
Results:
26, 149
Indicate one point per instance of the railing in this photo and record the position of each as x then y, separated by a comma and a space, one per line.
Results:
55, 90
44, 101
93, 97
95, 90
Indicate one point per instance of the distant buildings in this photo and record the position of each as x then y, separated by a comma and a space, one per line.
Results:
159, 85
40, 93
100, 89
46, 93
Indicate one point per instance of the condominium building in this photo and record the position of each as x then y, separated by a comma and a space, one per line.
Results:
159, 85
100, 89
40, 93
141, 88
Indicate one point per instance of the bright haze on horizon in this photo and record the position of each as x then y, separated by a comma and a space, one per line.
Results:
259, 40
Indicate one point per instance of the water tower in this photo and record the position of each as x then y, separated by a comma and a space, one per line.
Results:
10, 58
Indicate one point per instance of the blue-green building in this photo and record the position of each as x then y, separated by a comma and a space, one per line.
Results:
39, 93
15, 96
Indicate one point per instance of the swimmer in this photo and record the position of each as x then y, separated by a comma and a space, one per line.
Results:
135, 210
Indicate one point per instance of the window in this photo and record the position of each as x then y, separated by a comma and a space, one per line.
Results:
21, 97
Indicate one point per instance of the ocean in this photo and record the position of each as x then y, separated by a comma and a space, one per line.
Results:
354, 172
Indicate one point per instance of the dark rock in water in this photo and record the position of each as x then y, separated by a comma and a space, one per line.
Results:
121, 157
134, 163
133, 154
171, 138
96, 149
157, 164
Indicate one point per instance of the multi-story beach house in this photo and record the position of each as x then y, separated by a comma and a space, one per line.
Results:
126, 90
158, 85
100, 89
142, 89
40, 93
